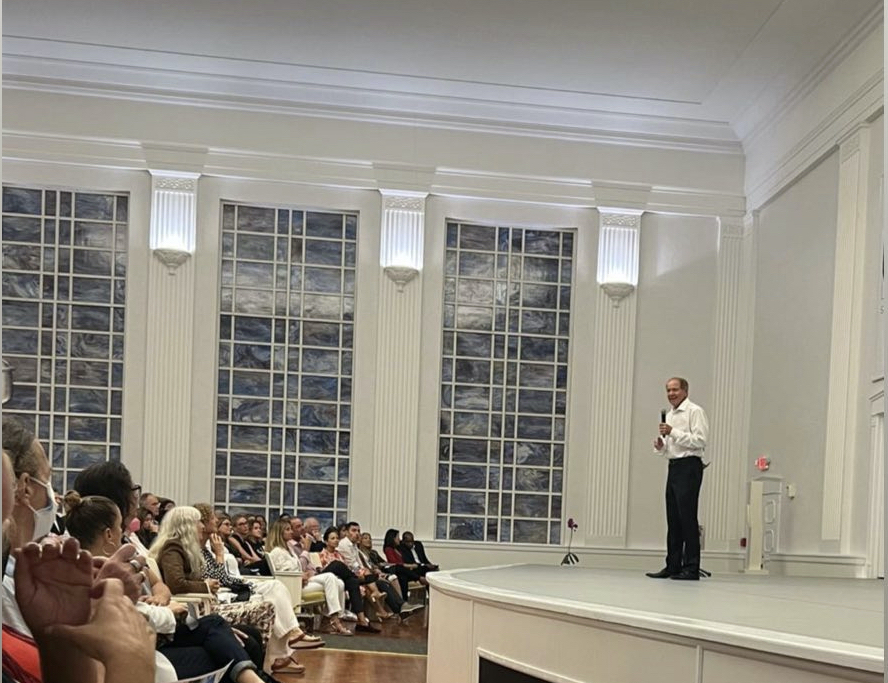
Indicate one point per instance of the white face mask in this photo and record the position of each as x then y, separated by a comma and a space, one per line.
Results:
44, 517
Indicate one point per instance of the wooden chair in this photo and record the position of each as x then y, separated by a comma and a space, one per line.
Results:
417, 593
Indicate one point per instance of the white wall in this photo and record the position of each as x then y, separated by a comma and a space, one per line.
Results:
283, 157
793, 318
674, 337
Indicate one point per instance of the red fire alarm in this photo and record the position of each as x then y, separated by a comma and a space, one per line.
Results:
763, 464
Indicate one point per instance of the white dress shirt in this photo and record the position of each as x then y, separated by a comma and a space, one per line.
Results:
350, 554
690, 432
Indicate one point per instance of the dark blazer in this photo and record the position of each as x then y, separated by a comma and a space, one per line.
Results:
407, 554
420, 553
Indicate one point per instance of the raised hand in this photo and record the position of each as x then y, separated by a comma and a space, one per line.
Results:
217, 546
126, 566
129, 654
52, 585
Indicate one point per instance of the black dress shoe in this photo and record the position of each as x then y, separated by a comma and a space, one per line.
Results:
366, 628
687, 575
662, 574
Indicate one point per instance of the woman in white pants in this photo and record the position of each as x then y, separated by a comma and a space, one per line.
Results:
286, 635
280, 557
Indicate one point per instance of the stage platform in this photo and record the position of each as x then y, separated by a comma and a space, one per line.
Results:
573, 624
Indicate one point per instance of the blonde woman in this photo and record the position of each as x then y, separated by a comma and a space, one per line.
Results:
177, 550
281, 558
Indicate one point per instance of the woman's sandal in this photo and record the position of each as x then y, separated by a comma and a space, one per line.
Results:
287, 665
304, 641
340, 630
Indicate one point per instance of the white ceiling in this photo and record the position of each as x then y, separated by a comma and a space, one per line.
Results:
699, 68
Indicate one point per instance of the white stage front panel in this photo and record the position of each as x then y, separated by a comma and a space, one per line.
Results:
566, 624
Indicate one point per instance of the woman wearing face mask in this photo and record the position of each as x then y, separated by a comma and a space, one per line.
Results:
35, 503
34, 506
67, 648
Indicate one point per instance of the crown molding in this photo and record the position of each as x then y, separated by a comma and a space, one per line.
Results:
360, 174
759, 116
767, 181
111, 72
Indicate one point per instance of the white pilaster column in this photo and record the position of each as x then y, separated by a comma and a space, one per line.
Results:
613, 354
398, 359
169, 339
721, 509
875, 555
847, 333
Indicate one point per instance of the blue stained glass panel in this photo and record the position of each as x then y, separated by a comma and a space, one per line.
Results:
480, 237
255, 219
292, 347
248, 465
317, 469
22, 200
68, 370
503, 280
324, 224
323, 252
249, 438
527, 531
247, 492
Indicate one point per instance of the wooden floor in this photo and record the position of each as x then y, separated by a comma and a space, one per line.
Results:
326, 665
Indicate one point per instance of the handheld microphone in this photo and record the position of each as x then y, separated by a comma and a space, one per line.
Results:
662, 417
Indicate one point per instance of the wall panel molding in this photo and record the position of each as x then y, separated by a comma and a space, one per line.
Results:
168, 380
846, 341
398, 360
613, 352
722, 504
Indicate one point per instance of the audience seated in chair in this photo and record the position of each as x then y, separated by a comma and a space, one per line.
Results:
332, 561
282, 559
62, 636
246, 556
148, 526
394, 572
378, 591
217, 566
112, 480
413, 552
410, 572
313, 529
194, 646
178, 552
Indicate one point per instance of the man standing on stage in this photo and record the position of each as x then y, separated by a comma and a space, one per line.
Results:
682, 439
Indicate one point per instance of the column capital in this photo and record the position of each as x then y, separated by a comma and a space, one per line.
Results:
180, 181
616, 217
173, 226
732, 227
851, 142
403, 199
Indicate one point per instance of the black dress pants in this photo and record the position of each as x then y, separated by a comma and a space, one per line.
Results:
405, 576
683, 533
352, 584
392, 599
207, 647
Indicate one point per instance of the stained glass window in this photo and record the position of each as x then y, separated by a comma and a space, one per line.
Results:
64, 293
503, 405
286, 330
